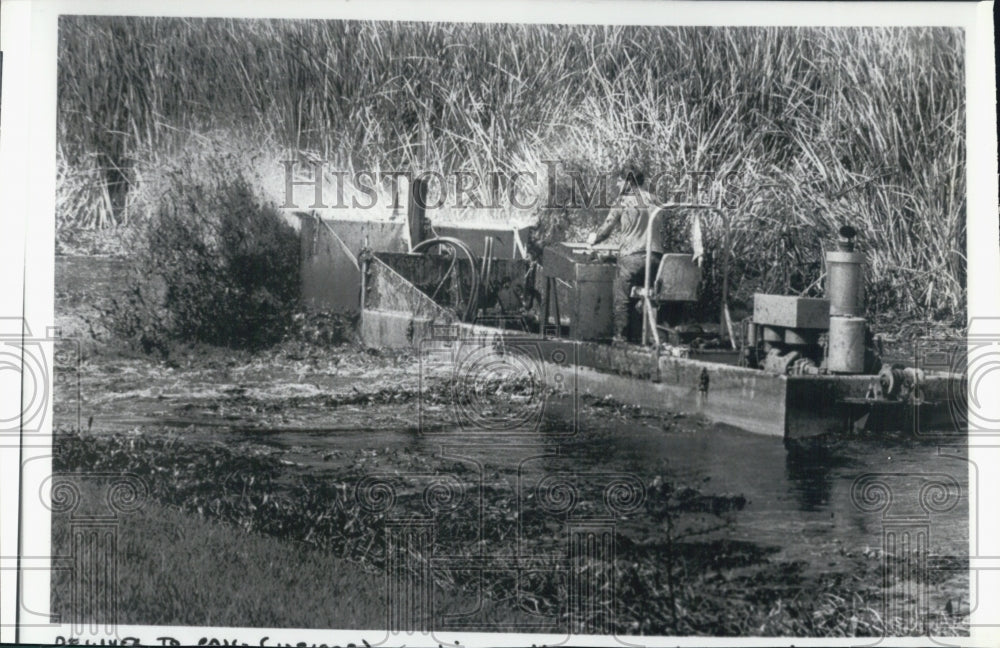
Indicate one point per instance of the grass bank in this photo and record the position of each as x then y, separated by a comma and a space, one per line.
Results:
175, 568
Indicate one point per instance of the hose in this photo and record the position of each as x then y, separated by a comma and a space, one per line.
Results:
459, 245
487, 265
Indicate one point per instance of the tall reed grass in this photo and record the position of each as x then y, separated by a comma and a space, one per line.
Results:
819, 126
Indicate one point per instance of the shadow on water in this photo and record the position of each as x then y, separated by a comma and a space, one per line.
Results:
810, 475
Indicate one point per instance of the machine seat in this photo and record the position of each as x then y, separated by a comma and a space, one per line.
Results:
676, 280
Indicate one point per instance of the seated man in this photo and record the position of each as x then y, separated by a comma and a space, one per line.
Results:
633, 212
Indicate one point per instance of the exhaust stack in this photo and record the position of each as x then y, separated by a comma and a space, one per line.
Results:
845, 290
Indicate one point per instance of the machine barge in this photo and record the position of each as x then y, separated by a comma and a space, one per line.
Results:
470, 300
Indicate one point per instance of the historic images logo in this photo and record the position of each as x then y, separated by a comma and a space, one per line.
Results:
554, 187
91, 507
906, 517
25, 370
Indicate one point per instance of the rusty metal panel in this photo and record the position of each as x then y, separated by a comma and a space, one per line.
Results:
382, 236
330, 276
506, 282
426, 271
394, 329
387, 290
422, 270
791, 312
584, 290
593, 309
745, 398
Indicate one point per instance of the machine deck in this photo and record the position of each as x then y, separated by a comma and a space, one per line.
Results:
397, 310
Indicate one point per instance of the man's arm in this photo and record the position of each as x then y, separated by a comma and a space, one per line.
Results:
604, 231
697, 241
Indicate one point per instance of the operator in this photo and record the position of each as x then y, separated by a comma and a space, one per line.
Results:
633, 211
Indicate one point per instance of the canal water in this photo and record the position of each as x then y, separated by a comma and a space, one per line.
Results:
823, 508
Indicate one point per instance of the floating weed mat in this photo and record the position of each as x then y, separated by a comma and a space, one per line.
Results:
296, 384
673, 571
247, 487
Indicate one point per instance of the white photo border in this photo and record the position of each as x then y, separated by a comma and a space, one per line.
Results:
28, 29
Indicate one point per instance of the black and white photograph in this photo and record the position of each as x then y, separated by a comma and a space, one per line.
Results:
404, 327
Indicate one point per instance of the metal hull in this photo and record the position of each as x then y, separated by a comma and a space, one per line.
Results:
793, 408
